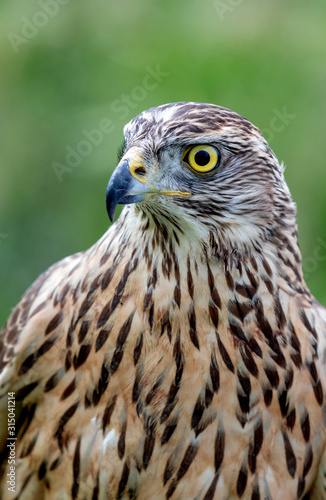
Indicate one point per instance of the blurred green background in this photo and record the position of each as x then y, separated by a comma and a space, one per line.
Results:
68, 65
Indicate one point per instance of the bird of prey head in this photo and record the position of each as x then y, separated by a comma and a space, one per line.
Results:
206, 169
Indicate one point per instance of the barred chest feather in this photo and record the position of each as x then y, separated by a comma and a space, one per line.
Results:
181, 357
182, 374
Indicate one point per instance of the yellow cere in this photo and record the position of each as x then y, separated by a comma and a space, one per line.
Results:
202, 158
136, 164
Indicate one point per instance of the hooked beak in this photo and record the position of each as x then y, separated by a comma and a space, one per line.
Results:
124, 188
128, 184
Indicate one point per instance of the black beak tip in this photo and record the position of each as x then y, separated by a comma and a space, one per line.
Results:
111, 216
111, 206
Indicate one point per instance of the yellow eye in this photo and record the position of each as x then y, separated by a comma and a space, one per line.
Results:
202, 158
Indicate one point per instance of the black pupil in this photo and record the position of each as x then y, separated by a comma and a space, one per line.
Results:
202, 158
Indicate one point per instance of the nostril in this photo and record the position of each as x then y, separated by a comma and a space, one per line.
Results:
140, 171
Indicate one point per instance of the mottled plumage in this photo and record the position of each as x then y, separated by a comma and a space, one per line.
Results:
182, 356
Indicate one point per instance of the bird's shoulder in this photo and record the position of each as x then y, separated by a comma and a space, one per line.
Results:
36, 308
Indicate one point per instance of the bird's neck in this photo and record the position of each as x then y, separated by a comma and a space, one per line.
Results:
275, 259
178, 271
